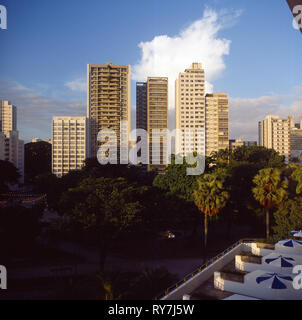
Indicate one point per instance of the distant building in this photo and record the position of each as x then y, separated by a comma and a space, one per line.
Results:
141, 105
8, 117
70, 145
250, 143
217, 122
157, 119
296, 141
11, 147
236, 143
35, 140
276, 134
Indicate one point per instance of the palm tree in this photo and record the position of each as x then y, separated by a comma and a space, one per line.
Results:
210, 197
297, 176
270, 191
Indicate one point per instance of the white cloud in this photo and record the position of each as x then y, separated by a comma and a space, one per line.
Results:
78, 84
245, 113
35, 110
168, 56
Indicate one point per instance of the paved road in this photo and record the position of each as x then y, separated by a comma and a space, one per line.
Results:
179, 267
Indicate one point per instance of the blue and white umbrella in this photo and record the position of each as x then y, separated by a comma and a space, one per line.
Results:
297, 234
290, 243
275, 280
280, 261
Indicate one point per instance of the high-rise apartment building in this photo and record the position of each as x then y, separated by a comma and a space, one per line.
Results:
108, 101
296, 141
216, 122
11, 147
276, 134
141, 105
190, 110
157, 119
70, 145
8, 117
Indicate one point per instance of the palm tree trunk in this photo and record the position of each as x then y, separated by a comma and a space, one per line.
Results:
267, 224
205, 230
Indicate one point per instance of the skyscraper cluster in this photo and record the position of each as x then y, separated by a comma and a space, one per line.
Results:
11, 147
203, 119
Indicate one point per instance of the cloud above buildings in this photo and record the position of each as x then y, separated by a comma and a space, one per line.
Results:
167, 56
78, 85
35, 110
246, 112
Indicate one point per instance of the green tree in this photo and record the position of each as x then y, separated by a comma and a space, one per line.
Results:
297, 177
270, 191
37, 159
288, 217
105, 206
176, 181
260, 156
210, 197
9, 174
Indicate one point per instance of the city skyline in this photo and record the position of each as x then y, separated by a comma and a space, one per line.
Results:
51, 83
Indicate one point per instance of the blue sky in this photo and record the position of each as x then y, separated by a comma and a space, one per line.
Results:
48, 44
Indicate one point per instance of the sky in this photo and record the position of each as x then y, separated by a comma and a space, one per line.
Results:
248, 49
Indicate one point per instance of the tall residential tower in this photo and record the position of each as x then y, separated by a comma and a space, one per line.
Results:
11, 147
190, 110
108, 100
157, 122
217, 122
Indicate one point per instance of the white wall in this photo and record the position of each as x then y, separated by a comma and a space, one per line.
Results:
251, 288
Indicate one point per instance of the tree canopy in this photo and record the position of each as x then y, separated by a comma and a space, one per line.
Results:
37, 159
9, 174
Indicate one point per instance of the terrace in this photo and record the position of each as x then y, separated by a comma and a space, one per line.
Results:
247, 270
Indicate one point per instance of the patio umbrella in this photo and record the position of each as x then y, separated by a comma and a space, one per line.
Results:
291, 243
297, 234
280, 261
275, 280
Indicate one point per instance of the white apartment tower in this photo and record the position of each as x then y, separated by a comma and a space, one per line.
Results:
190, 110
8, 117
11, 147
276, 134
70, 144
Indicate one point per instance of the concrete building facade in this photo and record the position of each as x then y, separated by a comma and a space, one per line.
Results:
216, 122
276, 134
11, 147
296, 141
190, 110
157, 119
141, 105
108, 100
70, 147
